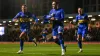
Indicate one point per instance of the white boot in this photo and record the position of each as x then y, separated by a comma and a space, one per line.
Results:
63, 52
20, 52
80, 51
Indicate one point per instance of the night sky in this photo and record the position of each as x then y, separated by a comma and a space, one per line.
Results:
9, 8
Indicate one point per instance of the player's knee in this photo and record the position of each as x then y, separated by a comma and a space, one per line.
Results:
60, 35
54, 37
79, 39
83, 39
56, 40
22, 34
20, 37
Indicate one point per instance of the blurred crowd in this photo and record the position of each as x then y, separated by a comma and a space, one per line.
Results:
70, 33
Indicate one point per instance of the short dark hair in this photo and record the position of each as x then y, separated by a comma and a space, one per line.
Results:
24, 5
80, 7
57, 1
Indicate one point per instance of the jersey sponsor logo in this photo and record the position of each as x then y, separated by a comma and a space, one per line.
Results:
24, 19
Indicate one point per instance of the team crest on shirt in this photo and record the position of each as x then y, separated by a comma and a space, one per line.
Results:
82, 16
58, 12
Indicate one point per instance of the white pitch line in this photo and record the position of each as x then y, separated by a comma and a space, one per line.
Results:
45, 54
23, 53
76, 49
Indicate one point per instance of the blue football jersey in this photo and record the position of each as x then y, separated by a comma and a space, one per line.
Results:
24, 19
82, 20
58, 14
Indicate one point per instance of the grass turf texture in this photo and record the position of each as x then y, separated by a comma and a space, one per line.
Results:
49, 50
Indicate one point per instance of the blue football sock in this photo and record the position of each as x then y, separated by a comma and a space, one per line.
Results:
31, 39
61, 40
80, 44
34, 41
21, 44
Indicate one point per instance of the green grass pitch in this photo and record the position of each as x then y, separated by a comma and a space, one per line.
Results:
49, 50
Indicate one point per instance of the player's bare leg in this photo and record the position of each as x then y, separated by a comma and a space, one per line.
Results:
61, 40
21, 43
43, 39
83, 39
81, 50
57, 41
34, 40
79, 39
30, 38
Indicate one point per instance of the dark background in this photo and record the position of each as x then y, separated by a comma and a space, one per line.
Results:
9, 8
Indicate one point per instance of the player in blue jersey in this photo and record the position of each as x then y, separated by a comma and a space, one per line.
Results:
44, 33
24, 19
82, 20
56, 15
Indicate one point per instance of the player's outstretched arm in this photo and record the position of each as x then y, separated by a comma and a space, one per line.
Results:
35, 19
16, 18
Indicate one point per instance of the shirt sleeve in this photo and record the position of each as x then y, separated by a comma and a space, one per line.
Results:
76, 19
86, 17
35, 18
49, 16
16, 17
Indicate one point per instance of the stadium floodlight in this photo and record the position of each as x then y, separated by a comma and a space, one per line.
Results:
38, 19
93, 19
31, 20
4, 21
74, 20
65, 21
16, 23
0, 23
99, 15
9, 21
70, 17
89, 15
41, 22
